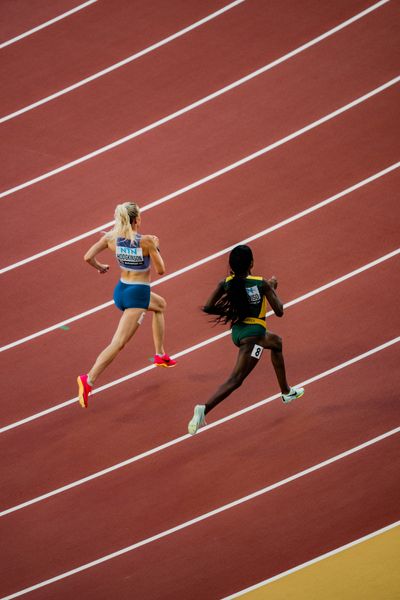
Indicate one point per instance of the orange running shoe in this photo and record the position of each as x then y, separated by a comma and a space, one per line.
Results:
84, 390
164, 361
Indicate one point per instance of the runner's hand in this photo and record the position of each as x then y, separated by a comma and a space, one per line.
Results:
103, 268
273, 282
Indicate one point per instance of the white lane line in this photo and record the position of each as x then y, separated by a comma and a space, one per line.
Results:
179, 34
47, 23
211, 257
161, 200
313, 561
121, 63
202, 344
182, 111
182, 438
207, 515
173, 194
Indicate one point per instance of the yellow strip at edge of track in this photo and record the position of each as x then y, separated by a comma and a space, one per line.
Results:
367, 571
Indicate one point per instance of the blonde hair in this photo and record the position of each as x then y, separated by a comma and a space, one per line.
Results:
125, 214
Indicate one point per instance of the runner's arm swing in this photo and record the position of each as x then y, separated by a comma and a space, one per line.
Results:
209, 306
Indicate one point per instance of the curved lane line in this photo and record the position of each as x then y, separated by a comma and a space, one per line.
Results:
312, 561
203, 180
121, 63
46, 24
215, 338
207, 515
157, 449
173, 37
179, 113
203, 261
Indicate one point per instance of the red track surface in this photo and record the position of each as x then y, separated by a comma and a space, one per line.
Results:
293, 523
134, 97
24, 15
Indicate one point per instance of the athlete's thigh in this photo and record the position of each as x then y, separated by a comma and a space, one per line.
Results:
128, 324
157, 303
271, 341
248, 357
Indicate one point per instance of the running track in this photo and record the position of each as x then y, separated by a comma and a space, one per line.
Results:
301, 158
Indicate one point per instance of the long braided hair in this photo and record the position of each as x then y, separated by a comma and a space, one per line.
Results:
233, 306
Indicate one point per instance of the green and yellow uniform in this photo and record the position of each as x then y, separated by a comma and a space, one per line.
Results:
254, 324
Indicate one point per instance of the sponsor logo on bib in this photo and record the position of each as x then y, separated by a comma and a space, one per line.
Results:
253, 294
130, 256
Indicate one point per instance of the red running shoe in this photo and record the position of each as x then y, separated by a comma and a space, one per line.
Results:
164, 361
84, 390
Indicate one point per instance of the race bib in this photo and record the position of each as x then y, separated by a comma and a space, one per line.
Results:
253, 294
257, 351
130, 256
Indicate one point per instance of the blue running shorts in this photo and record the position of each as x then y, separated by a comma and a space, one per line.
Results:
132, 295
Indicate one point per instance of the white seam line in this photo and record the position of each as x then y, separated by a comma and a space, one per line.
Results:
182, 111
182, 32
121, 63
313, 561
110, 223
208, 514
201, 344
46, 24
187, 436
161, 200
211, 257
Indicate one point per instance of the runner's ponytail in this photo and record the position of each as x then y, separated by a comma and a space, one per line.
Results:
125, 215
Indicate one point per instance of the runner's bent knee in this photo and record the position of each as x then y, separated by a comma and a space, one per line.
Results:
273, 342
278, 343
157, 303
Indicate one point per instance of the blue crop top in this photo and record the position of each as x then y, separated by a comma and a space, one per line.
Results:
130, 254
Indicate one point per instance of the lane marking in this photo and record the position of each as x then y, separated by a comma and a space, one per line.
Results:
313, 561
211, 257
182, 32
187, 436
121, 63
182, 111
161, 200
207, 515
200, 344
46, 24
182, 190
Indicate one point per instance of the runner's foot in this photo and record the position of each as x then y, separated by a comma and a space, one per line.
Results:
292, 395
164, 361
84, 390
198, 419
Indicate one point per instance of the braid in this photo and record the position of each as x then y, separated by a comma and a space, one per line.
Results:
233, 306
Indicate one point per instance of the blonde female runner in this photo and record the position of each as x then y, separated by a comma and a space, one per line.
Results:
135, 253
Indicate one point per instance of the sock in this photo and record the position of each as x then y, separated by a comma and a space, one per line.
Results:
90, 382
